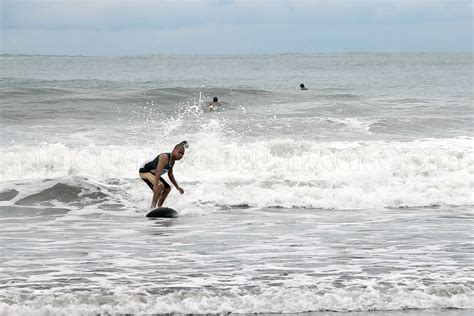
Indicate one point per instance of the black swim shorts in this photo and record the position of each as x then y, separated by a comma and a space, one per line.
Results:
150, 184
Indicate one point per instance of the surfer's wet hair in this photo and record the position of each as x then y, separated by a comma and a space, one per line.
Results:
215, 99
184, 144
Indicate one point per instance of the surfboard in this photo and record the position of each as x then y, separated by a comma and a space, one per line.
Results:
164, 212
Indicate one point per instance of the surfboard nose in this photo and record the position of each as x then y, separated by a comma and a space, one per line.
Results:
163, 212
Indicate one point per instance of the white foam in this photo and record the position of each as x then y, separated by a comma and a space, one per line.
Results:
351, 123
235, 300
274, 173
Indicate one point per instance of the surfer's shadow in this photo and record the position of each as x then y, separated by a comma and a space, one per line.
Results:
162, 222
156, 232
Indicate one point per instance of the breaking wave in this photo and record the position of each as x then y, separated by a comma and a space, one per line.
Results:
276, 173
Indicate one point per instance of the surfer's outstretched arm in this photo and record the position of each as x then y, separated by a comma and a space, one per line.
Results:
173, 180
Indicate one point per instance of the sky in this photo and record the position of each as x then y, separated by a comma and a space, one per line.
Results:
136, 27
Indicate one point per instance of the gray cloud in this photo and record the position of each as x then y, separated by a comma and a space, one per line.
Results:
165, 14
233, 26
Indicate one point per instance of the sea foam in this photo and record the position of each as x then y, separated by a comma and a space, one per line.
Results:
276, 173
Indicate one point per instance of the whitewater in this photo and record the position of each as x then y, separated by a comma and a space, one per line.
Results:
352, 197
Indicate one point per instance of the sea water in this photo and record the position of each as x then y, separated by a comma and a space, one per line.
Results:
352, 197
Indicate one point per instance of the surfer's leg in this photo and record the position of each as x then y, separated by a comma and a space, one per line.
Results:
156, 194
164, 193
163, 196
149, 179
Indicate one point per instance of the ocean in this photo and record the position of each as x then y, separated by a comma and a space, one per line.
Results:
354, 197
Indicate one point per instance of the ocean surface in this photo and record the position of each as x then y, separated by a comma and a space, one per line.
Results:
354, 197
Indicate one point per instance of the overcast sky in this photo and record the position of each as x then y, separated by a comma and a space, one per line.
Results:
134, 27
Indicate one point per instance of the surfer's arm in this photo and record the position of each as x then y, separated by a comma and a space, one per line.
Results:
173, 180
162, 161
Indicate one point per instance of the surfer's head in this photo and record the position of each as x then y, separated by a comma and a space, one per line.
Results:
302, 86
215, 99
179, 149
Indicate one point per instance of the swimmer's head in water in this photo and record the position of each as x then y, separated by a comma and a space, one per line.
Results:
302, 86
215, 99
179, 150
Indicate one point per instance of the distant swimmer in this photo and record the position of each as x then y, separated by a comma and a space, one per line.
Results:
215, 104
303, 87
152, 170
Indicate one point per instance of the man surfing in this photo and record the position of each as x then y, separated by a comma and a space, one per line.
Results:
152, 170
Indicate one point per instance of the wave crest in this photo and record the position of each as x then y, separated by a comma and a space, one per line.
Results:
278, 173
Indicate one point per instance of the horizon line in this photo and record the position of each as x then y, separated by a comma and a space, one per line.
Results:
235, 54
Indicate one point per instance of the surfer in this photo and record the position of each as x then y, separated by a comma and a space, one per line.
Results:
152, 170
303, 87
215, 104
